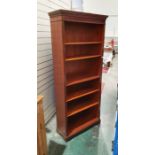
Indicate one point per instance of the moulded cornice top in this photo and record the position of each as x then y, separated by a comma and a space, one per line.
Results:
75, 14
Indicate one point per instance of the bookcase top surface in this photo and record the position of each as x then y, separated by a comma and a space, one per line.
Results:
76, 14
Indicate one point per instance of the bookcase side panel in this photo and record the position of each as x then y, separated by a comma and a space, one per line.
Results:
59, 73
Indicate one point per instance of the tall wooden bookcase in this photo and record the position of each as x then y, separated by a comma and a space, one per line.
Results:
77, 48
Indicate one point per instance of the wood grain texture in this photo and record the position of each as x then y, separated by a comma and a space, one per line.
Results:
59, 73
41, 131
78, 39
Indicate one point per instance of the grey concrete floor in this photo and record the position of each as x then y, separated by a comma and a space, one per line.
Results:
98, 139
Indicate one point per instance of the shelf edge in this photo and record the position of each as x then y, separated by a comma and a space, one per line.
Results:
83, 109
84, 80
82, 58
82, 95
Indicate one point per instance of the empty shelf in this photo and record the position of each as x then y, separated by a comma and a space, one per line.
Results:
83, 126
80, 107
80, 94
81, 78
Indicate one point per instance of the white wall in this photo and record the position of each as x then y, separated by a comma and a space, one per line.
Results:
44, 53
106, 7
77, 5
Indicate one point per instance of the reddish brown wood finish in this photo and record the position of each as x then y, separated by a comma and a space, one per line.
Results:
59, 74
41, 131
77, 41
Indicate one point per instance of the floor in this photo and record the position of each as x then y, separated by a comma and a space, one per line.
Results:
98, 139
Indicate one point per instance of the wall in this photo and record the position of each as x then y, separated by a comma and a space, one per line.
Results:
44, 53
77, 5
107, 7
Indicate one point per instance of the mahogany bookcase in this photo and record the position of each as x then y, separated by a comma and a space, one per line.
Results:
77, 49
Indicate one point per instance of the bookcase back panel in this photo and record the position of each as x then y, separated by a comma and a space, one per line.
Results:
81, 104
82, 50
82, 88
87, 67
81, 32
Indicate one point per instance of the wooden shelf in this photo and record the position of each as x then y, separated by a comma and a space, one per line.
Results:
80, 94
83, 126
77, 83
82, 57
80, 107
80, 79
83, 43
